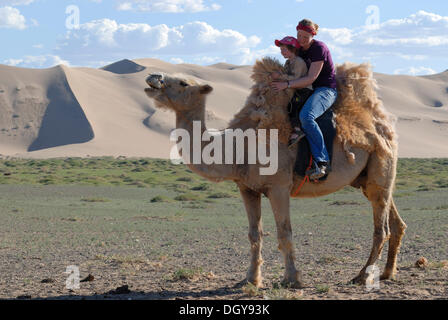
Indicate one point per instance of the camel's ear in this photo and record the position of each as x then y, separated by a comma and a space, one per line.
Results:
205, 89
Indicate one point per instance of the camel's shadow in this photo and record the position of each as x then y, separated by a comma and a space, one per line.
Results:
219, 293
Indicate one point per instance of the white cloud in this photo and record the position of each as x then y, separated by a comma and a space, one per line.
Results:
172, 6
176, 60
43, 61
415, 37
415, 71
341, 36
110, 40
125, 6
11, 18
249, 56
15, 2
208, 60
26, 2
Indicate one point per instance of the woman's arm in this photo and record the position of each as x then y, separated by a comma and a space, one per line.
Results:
313, 73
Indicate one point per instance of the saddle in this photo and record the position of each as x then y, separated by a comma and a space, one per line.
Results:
326, 124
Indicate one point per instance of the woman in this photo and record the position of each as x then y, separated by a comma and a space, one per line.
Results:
322, 75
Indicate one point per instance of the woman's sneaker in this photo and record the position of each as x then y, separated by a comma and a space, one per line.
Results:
319, 171
296, 137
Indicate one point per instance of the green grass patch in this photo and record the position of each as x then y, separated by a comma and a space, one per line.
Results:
202, 187
186, 274
251, 290
422, 175
220, 195
283, 294
187, 197
109, 171
159, 199
95, 200
344, 203
327, 260
322, 288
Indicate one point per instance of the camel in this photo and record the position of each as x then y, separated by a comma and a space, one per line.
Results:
364, 156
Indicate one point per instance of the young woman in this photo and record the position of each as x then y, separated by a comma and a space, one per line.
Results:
322, 76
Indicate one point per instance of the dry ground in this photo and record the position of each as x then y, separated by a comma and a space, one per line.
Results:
196, 247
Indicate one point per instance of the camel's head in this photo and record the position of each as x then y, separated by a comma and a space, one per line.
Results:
176, 93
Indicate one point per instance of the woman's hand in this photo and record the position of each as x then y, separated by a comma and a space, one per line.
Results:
279, 85
275, 75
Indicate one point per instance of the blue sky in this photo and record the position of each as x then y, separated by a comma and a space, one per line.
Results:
397, 37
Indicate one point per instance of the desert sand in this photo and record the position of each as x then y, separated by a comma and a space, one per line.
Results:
81, 112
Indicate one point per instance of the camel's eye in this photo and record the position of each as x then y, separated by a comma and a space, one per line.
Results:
183, 84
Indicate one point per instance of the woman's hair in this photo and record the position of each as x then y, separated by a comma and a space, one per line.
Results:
309, 23
292, 49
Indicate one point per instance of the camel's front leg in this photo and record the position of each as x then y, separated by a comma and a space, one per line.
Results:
252, 202
279, 198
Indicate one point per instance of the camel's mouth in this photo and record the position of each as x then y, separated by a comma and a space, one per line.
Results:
151, 89
154, 86
155, 82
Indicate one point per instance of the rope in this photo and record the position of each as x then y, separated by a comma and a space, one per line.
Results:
306, 179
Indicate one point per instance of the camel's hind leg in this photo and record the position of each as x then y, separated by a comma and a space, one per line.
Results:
378, 189
252, 203
397, 228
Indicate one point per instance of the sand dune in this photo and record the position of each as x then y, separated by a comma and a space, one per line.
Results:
64, 111
124, 67
39, 111
421, 106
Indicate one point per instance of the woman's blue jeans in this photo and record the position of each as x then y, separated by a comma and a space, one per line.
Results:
321, 100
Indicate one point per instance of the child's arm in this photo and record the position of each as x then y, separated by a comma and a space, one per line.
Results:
298, 68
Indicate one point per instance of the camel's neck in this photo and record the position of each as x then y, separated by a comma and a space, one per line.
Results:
193, 122
186, 119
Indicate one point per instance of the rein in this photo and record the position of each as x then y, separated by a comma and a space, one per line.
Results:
305, 179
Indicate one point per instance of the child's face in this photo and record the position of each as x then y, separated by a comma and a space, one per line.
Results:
285, 52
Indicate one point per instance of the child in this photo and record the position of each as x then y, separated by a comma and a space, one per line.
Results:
295, 68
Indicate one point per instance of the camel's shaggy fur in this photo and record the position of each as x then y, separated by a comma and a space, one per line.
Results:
361, 120
265, 108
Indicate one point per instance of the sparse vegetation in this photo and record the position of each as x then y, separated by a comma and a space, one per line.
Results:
201, 187
283, 294
327, 260
186, 274
159, 199
344, 203
109, 171
90, 212
321, 288
220, 195
94, 200
187, 197
122, 260
251, 290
